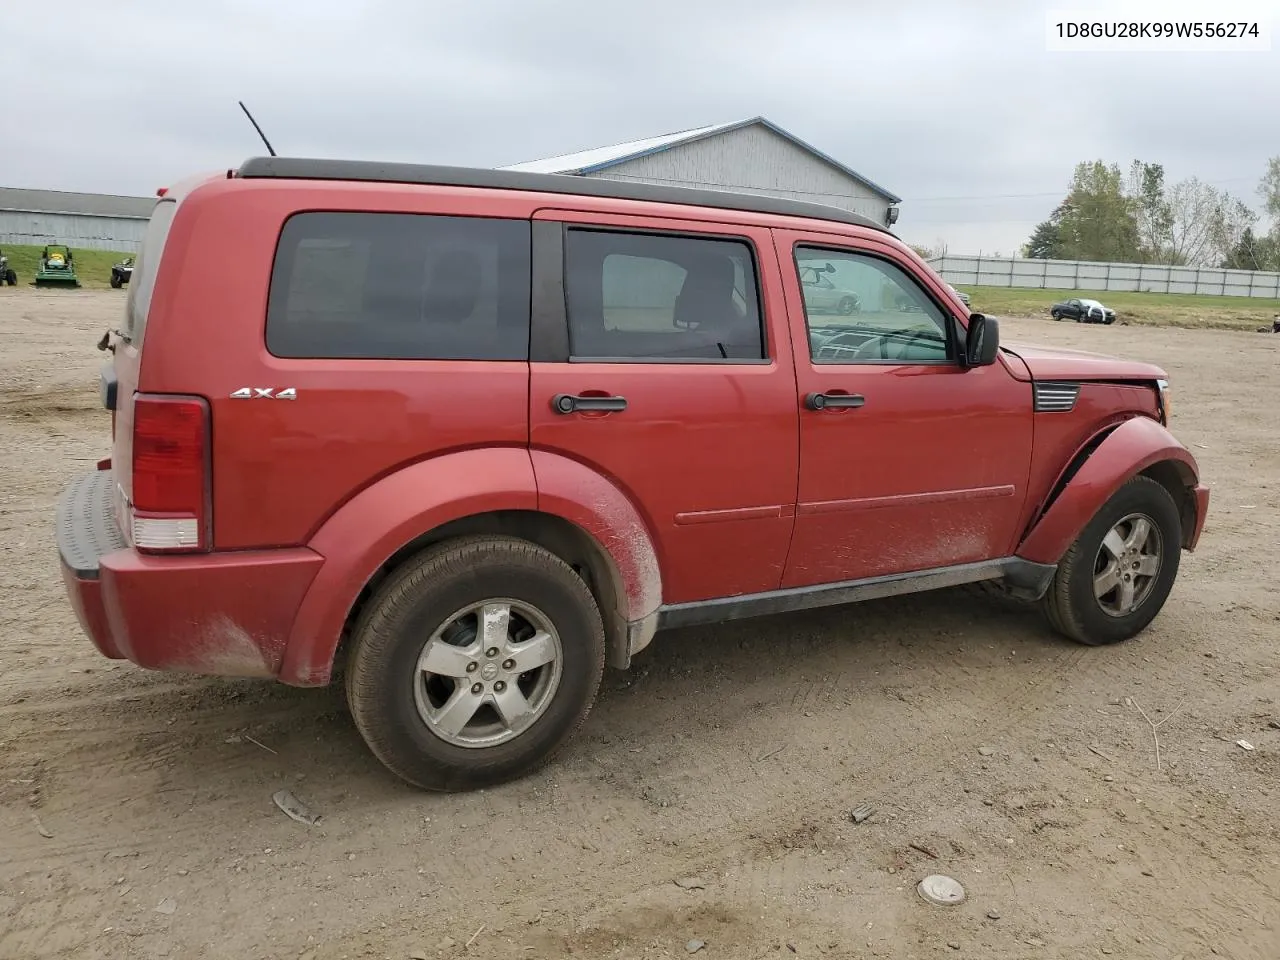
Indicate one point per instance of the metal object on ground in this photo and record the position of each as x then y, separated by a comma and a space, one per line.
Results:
941, 890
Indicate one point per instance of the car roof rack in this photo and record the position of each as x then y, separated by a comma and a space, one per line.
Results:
373, 171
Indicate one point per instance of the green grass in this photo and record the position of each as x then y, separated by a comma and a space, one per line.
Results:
1139, 309
93, 267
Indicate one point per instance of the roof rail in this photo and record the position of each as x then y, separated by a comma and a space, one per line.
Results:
373, 171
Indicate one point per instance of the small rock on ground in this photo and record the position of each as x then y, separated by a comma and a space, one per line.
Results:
985, 751
993, 914
693, 946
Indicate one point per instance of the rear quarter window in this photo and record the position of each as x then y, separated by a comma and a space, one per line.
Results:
400, 286
145, 266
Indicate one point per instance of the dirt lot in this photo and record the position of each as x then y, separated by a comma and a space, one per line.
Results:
136, 818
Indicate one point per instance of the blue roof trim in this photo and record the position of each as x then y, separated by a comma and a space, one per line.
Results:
729, 127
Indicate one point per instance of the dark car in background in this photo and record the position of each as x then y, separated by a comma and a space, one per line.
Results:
121, 272
1082, 311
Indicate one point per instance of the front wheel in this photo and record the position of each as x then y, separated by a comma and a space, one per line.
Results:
847, 306
1055, 314
115, 281
11, 278
1116, 577
475, 662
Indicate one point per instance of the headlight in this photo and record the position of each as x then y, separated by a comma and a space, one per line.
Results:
1162, 386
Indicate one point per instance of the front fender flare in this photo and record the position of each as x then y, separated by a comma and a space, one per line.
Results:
1134, 446
369, 528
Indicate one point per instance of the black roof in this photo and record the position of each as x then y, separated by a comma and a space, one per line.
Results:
298, 168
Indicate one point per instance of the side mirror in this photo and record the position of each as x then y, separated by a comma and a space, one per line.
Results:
982, 341
829, 268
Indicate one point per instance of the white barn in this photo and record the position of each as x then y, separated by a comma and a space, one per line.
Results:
747, 156
92, 221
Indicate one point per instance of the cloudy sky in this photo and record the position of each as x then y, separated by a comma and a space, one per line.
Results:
956, 106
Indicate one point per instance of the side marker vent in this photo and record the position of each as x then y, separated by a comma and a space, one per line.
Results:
1055, 396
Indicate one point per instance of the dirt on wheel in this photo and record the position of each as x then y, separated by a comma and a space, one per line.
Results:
1092, 801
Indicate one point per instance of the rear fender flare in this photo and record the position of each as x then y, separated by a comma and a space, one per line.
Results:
1130, 449
575, 492
370, 528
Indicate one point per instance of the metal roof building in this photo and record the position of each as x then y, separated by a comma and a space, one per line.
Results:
90, 221
748, 156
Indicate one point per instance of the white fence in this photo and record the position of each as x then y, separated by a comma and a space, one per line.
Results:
1083, 275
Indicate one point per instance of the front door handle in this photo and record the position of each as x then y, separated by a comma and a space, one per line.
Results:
825, 401
568, 403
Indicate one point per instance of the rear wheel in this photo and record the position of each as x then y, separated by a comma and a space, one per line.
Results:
115, 281
847, 306
474, 663
1116, 577
11, 278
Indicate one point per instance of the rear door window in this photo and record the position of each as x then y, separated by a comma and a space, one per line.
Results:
661, 298
400, 286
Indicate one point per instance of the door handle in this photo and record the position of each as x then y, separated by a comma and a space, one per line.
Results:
568, 403
824, 401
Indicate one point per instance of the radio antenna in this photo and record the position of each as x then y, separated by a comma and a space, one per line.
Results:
256, 127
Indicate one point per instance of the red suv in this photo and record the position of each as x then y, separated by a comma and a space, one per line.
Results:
474, 434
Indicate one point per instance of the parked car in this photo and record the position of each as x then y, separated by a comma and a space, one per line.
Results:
121, 272
518, 434
822, 295
7, 274
1082, 311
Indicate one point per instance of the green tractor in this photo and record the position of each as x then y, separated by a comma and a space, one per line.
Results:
57, 267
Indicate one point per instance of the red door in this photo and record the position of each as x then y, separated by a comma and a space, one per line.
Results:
678, 386
908, 460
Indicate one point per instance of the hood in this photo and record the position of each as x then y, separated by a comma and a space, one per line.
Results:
1046, 363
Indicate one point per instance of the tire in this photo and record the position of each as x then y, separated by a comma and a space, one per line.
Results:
392, 698
1055, 314
115, 282
11, 278
1071, 603
847, 306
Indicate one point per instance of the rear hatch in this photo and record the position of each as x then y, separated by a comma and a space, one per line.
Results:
120, 377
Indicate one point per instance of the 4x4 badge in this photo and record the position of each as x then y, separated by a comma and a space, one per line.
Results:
265, 393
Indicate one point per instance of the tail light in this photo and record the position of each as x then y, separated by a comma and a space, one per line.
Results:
170, 508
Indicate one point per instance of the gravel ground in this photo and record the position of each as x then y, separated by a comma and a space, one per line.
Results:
708, 797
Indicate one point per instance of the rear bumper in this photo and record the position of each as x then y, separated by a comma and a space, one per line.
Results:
224, 614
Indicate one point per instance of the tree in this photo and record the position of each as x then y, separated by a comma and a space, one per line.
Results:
1100, 220
1197, 224
1234, 235
939, 249
1151, 209
1138, 219
1046, 238
1253, 252
1269, 190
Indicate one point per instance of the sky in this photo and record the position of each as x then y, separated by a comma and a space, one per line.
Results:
958, 107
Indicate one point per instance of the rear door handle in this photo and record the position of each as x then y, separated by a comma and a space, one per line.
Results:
824, 401
568, 403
